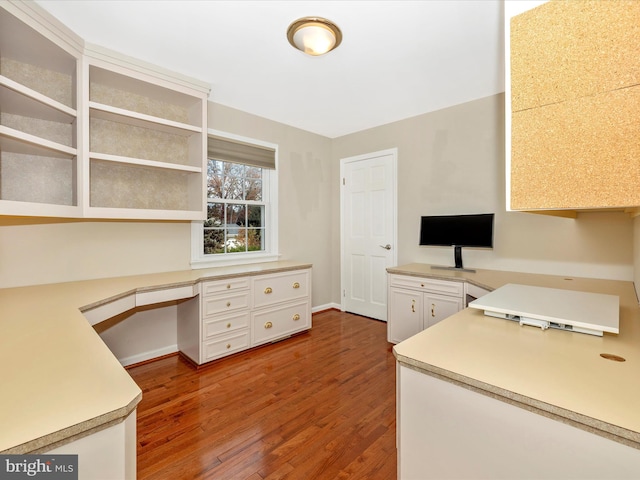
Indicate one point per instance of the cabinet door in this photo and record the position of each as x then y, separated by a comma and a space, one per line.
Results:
439, 307
570, 127
405, 314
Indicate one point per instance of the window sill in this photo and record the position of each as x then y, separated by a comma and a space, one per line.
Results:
241, 259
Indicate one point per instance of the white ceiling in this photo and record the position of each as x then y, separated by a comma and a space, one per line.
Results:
397, 59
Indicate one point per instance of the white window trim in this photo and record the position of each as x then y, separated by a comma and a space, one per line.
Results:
270, 191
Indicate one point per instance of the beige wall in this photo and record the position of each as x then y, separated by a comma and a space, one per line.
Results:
449, 161
34, 251
141, 334
305, 214
452, 161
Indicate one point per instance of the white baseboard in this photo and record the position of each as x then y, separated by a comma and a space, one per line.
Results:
144, 356
141, 357
326, 306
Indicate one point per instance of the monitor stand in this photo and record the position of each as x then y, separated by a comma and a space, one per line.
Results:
457, 256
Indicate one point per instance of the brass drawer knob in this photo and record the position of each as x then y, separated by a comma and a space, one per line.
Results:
228, 304
228, 285
229, 325
268, 290
228, 346
296, 285
268, 325
296, 317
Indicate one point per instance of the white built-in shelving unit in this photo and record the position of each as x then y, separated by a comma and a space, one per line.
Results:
146, 145
87, 132
39, 161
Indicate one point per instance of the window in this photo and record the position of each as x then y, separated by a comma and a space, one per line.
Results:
241, 222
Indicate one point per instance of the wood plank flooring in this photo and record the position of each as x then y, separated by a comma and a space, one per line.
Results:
320, 405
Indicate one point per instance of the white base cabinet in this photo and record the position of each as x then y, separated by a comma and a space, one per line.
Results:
238, 313
447, 431
417, 303
281, 305
104, 455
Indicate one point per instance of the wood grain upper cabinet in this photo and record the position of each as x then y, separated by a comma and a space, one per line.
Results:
573, 102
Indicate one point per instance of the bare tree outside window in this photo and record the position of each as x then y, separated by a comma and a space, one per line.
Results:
235, 209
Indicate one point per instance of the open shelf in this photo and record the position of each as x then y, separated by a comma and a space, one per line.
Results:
87, 132
38, 118
146, 146
136, 93
129, 117
117, 185
16, 98
15, 141
30, 59
144, 163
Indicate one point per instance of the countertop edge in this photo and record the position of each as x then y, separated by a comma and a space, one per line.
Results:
208, 276
583, 422
460, 278
136, 284
75, 432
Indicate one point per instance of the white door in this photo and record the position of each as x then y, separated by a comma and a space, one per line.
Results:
368, 232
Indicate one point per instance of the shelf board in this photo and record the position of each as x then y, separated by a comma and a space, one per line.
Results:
119, 80
15, 141
36, 209
142, 213
18, 99
144, 163
120, 115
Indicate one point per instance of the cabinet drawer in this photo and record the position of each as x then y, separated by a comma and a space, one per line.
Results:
278, 322
443, 287
228, 285
226, 345
216, 304
226, 324
165, 295
280, 287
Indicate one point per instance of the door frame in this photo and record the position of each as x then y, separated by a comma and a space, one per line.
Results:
394, 209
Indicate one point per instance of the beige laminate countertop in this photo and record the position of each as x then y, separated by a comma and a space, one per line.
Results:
556, 373
59, 380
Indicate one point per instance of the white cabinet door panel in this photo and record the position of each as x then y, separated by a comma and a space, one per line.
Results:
405, 314
439, 307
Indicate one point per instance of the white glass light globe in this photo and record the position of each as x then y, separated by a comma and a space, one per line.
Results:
314, 39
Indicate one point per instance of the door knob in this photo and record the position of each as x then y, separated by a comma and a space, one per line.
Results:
386, 247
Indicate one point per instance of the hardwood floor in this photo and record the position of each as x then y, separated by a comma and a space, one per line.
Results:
320, 405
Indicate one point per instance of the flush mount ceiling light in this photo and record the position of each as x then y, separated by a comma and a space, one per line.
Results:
314, 35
